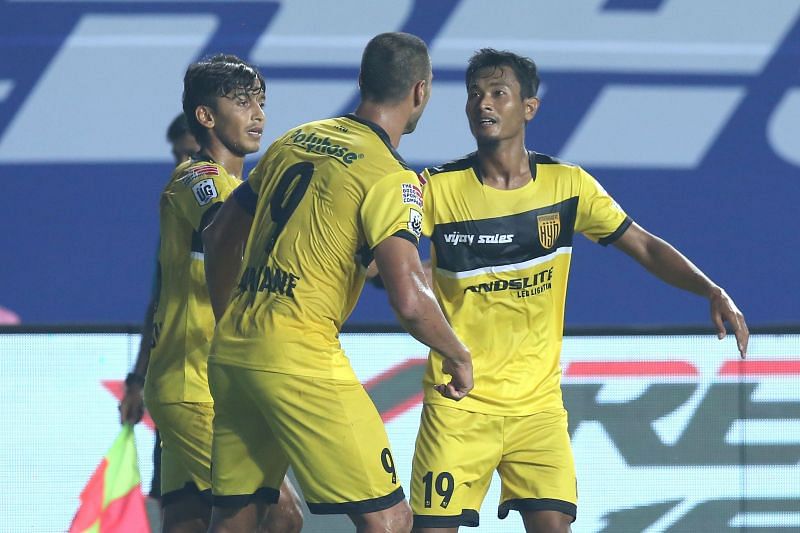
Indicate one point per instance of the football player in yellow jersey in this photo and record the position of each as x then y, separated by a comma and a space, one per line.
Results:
326, 198
223, 99
501, 222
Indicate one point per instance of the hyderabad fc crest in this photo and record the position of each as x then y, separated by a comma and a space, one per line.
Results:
549, 228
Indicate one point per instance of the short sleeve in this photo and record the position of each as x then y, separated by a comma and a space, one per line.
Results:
393, 206
199, 191
599, 217
427, 197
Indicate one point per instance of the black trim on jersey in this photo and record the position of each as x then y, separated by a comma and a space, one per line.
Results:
189, 489
264, 494
468, 161
605, 241
197, 241
471, 161
208, 216
364, 506
364, 256
407, 235
468, 518
537, 504
521, 229
380, 132
246, 197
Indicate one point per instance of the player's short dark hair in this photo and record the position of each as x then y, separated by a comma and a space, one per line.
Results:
177, 128
216, 76
392, 63
524, 68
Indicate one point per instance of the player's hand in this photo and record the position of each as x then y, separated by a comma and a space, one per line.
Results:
461, 382
131, 408
723, 309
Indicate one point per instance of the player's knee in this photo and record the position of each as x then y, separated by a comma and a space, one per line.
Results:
396, 519
286, 518
547, 522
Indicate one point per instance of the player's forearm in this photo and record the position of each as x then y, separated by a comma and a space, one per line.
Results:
423, 319
672, 267
223, 259
146, 342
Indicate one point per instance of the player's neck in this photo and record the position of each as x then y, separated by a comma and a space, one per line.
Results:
392, 119
504, 165
232, 163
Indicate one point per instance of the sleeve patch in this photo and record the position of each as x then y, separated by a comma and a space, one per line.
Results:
204, 191
415, 222
196, 171
412, 194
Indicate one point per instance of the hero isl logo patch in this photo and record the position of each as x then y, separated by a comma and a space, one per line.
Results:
415, 222
204, 191
412, 195
549, 228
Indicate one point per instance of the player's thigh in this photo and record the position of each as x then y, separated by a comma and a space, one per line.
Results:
185, 430
455, 457
336, 443
537, 468
249, 463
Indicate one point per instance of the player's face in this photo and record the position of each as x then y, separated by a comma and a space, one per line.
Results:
184, 148
494, 107
239, 121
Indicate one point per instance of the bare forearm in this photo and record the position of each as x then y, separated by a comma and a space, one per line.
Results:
146, 342
669, 265
222, 263
426, 323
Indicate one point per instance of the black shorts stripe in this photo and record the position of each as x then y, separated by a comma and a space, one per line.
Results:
266, 495
537, 504
364, 506
188, 490
468, 518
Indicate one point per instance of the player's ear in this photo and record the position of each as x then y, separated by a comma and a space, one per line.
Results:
420, 90
205, 116
531, 107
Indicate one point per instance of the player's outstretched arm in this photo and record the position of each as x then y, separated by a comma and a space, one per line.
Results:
131, 407
415, 305
664, 261
223, 244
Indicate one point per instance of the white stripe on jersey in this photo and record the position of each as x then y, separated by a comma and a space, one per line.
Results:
505, 268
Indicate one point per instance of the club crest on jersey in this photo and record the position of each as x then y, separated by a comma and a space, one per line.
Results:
204, 191
412, 194
415, 222
549, 228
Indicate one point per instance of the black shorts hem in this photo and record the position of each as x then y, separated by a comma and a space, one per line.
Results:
190, 489
264, 495
537, 504
364, 506
468, 518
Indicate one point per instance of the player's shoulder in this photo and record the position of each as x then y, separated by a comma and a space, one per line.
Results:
545, 159
189, 173
460, 165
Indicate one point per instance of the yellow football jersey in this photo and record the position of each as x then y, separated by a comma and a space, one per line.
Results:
184, 321
501, 262
323, 196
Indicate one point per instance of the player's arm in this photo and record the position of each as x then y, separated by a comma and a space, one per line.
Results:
224, 239
416, 308
668, 264
131, 408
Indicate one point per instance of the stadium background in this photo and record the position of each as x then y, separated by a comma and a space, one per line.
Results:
683, 110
